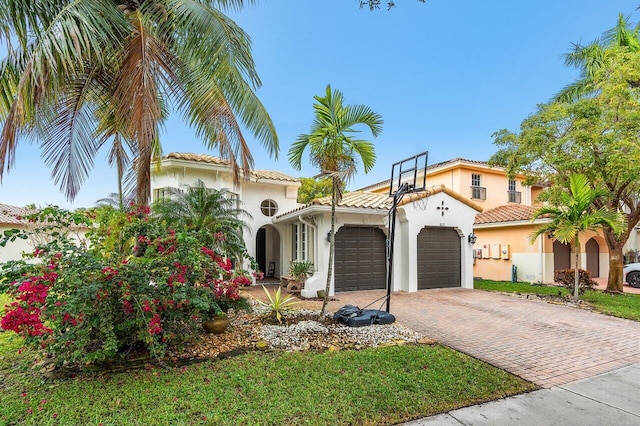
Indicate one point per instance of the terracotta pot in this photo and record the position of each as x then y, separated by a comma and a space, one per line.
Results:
217, 325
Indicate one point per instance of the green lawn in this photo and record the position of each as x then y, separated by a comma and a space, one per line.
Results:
374, 386
4, 299
619, 305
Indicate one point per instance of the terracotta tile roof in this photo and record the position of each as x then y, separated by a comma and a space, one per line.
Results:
457, 160
210, 159
200, 158
270, 174
358, 199
429, 168
370, 200
9, 214
506, 213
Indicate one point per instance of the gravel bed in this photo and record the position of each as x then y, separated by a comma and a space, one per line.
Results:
302, 331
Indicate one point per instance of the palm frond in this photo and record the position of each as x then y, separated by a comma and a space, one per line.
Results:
206, 37
69, 142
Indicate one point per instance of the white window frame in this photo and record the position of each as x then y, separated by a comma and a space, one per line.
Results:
300, 242
163, 193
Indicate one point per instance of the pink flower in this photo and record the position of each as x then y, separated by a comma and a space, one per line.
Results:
109, 272
155, 325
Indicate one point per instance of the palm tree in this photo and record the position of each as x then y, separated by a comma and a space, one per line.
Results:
74, 65
591, 58
213, 215
116, 200
574, 214
334, 150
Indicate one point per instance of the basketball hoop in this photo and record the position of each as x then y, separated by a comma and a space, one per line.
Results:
409, 175
421, 203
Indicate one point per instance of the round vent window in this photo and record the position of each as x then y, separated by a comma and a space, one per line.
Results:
269, 207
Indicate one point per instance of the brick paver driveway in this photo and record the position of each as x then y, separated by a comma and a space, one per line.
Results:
544, 343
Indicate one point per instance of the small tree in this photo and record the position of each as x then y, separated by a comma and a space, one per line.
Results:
312, 188
595, 135
334, 150
574, 214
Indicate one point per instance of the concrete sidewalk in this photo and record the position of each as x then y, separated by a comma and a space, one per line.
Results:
607, 399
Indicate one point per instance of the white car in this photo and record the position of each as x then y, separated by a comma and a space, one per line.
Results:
631, 273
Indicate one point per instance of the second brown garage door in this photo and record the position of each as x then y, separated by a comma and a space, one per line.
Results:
438, 258
360, 259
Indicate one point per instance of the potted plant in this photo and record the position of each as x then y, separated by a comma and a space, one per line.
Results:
300, 271
217, 322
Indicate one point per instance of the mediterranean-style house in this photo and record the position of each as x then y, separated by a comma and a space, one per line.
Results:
503, 250
473, 221
432, 237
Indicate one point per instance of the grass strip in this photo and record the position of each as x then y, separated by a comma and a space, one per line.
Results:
618, 305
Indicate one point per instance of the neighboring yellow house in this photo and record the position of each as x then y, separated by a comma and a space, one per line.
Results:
502, 248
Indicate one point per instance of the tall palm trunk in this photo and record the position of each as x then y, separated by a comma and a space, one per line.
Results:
331, 246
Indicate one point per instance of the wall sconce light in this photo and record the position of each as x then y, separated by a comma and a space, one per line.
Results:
329, 236
472, 238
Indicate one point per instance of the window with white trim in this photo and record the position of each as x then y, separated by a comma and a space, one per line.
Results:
300, 242
477, 192
163, 193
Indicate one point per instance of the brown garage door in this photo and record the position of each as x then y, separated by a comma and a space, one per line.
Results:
360, 259
438, 258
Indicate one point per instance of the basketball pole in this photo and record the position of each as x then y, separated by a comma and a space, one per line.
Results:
403, 189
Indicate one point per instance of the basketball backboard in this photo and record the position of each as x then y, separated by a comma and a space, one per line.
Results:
411, 172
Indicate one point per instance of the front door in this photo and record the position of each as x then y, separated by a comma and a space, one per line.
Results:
261, 252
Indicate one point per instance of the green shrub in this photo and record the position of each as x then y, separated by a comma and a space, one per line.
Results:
139, 284
566, 277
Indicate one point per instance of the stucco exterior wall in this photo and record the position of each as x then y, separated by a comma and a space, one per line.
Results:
251, 193
496, 183
411, 219
13, 250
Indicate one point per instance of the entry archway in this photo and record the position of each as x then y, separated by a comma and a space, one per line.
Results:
592, 249
268, 249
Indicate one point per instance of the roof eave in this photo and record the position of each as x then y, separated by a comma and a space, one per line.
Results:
510, 223
315, 209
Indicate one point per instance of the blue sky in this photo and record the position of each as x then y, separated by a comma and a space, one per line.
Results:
444, 75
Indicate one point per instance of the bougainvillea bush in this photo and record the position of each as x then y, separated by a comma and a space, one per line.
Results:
136, 283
